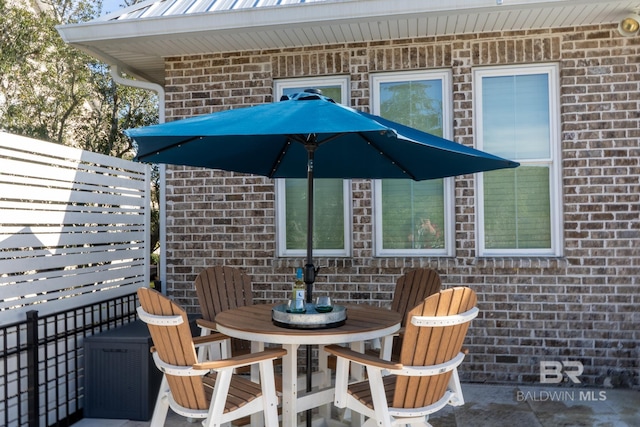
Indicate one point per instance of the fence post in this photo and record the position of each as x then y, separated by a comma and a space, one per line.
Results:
32, 367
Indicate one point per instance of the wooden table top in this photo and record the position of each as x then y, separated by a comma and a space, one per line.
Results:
254, 323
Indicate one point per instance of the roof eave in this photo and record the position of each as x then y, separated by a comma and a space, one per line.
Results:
126, 42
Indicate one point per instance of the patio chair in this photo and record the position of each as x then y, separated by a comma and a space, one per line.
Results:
425, 378
221, 288
411, 289
206, 390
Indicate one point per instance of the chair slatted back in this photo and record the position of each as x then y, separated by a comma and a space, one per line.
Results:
174, 346
412, 288
432, 345
222, 288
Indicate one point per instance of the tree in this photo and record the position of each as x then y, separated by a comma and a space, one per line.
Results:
54, 92
30, 75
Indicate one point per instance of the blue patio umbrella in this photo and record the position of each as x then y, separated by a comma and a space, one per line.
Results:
308, 135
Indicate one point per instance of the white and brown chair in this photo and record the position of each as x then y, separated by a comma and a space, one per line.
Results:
207, 390
221, 288
425, 378
411, 289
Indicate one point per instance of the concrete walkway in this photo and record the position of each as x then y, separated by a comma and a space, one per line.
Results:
522, 406
504, 406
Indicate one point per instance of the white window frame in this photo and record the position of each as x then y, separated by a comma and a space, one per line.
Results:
448, 185
313, 82
281, 238
553, 162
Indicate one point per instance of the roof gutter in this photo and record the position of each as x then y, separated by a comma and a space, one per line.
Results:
117, 77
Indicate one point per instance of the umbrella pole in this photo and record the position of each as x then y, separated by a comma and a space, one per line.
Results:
309, 270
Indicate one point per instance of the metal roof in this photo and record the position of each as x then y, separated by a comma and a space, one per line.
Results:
137, 38
156, 8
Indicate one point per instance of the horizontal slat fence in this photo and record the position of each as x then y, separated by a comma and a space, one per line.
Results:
74, 230
72, 227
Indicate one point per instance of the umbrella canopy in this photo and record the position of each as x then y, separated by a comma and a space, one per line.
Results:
308, 135
273, 140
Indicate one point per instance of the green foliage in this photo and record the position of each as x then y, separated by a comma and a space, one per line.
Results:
54, 92
31, 74
409, 103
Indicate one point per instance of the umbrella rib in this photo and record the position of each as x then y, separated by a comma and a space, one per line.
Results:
388, 157
283, 152
306, 141
302, 140
141, 157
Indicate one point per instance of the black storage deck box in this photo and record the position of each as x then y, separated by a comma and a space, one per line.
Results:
121, 379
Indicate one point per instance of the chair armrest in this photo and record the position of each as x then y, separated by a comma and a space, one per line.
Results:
242, 360
202, 340
206, 339
361, 358
206, 324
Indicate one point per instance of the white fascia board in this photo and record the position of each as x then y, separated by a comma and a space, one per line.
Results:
265, 18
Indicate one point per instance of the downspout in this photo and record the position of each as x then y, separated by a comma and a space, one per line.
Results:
117, 77
115, 74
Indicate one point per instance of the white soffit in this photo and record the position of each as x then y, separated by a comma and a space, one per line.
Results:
137, 38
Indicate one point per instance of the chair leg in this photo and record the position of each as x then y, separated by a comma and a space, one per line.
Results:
386, 347
457, 399
215, 350
162, 404
269, 397
204, 350
218, 397
379, 398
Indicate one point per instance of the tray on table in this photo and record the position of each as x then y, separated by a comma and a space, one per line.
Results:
311, 319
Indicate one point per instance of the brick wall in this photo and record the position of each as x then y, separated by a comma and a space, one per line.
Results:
583, 306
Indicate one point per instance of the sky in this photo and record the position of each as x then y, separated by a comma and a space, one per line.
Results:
110, 6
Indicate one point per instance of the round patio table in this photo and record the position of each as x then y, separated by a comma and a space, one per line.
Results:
253, 323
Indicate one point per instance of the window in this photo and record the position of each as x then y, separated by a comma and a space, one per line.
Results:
414, 217
332, 213
517, 117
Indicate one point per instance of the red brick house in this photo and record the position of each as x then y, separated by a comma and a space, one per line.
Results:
552, 247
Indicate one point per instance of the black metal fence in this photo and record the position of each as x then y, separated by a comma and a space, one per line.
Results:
42, 362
